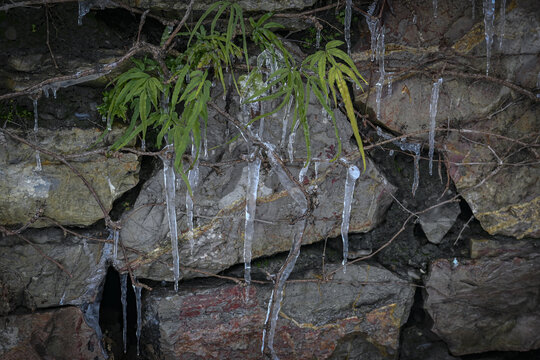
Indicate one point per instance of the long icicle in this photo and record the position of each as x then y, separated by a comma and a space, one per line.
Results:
353, 173
169, 183
432, 119
193, 179
489, 16
347, 25
138, 304
123, 300
36, 128
502, 20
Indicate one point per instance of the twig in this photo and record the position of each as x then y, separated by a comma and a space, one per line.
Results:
37, 248
463, 228
34, 218
179, 26
48, 44
141, 24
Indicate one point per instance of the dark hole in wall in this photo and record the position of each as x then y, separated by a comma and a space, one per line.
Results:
110, 317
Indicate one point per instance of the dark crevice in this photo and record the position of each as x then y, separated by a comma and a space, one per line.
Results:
110, 317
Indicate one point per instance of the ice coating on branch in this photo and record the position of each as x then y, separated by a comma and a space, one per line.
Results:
114, 235
347, 24
435, 9
290, 145
317, 164
380, 58
36, 128
296, 193
389, 89
489, 16
138, 304
84, 8
373, 25
353, 173
170, 196
432, 122
285, 121
303, 172
502, 20
123, 299
412, 147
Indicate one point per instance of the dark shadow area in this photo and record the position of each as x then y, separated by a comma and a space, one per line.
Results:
110, 317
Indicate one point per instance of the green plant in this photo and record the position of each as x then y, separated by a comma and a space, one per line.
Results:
175, 104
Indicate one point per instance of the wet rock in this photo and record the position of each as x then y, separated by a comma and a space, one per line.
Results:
30, 280
217, 321
56, 189
220, 205
43, 335
436, 222
503, 196
418, 343
483, 247
489, 304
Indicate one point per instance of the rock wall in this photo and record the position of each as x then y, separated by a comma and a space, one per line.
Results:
447, 270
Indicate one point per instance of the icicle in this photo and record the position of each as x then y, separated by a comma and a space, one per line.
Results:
435, 9
473, 8
347, 30
116, 236
353, 173
266, 320
318, 38
303, 172
91, 316
502, 20
138, 290
412, 147
193, 179
170, 195
205, 142
38, 158
292, 136
378, 87
123, 299
143, 145
251, 205
432, 123
317, 164
373, 25
285, 121
389, 89
84, 8
489, 16
414, 19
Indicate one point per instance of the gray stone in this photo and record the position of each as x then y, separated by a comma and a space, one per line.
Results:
436, 222
220, 205
32, 281
217, 321
489, 304
57, 189
52, 334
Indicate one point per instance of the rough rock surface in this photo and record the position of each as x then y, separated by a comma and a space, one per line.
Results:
53, 334
486, 304
504, 198
436, 222
56, 189
29, 280
219, 322
272, 5
220, 204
